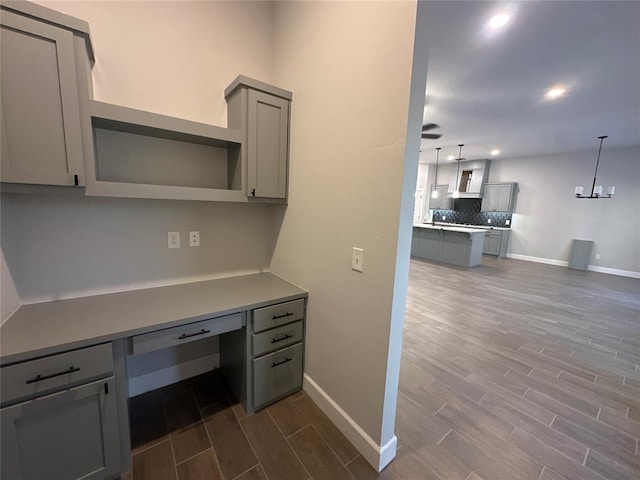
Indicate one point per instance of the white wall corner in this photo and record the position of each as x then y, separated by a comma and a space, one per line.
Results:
377, 455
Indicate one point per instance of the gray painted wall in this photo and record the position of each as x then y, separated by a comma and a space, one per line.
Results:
60, 246
547, 215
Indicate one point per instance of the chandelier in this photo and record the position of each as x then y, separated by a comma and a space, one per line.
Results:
596, 190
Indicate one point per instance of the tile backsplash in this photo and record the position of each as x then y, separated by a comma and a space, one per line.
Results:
467, 210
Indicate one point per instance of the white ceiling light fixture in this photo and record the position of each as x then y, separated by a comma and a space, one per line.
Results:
498, 21
495, 152
451, 157
555, 92
434, 191
596, 190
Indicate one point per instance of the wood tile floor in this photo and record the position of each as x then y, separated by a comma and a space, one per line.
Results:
195, 430
510, 370
516, 370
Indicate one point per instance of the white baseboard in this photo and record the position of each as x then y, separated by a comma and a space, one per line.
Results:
175, 373
561, 263
614, 271
378, 456
547, 261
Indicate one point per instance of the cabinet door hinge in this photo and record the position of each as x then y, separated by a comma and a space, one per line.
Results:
106, 389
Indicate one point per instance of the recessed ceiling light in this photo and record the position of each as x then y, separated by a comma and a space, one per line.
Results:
451, 157
499, 20
556, 92
495, 152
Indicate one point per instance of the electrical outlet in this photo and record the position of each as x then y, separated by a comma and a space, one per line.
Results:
597, 256
173, 240
357, 257
488, 220
194, 238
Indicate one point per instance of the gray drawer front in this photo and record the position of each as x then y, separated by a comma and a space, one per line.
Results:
62, 370
189, 332
277, 338
275, 315
277, 374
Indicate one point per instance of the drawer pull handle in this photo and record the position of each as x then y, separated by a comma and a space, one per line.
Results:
276, 364
47, 377
275, 317
276, 340
187, 335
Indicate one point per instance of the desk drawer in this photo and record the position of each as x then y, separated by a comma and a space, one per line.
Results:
55, 372
189, 332
277, 374
277, 338
275, 315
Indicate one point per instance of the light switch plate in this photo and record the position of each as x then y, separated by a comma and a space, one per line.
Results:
173, 240
357, 257
194, 238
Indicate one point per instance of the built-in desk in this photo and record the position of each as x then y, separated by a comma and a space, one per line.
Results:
68, 358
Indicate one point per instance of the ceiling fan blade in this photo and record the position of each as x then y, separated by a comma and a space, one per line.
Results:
431, 136
429, 126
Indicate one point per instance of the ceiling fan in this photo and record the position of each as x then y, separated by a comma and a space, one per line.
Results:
430, 136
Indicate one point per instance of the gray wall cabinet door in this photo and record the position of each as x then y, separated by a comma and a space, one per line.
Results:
498, 198
41, 132
68, 435
268, 145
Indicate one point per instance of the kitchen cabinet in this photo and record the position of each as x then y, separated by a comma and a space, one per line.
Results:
496, 242
65, 424
139, 154
454, 245
272, 364
42, 66
261, 112
442, 202
498, 197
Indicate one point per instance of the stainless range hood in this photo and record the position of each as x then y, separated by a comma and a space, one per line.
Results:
468, 179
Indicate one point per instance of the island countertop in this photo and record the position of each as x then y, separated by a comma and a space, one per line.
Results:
449, 229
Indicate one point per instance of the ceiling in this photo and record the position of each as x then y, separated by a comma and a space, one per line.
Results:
486, 88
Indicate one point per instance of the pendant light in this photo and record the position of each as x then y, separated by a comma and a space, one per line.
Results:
596, 190
434, 190
456, 192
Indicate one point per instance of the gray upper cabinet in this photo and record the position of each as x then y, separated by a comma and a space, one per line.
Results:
261, 112
41, 122
499, 197
442, 202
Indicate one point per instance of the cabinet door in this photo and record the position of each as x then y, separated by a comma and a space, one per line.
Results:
39, 96
503, 200
68, 435
268, 145
489, 198
491, 244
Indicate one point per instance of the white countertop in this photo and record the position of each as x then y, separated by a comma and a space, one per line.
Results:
481, 227
45, 328
449, 228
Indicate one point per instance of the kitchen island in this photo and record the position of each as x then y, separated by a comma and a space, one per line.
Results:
455, 245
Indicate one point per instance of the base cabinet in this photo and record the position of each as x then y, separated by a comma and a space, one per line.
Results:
68, 435
264, 362
496, 242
